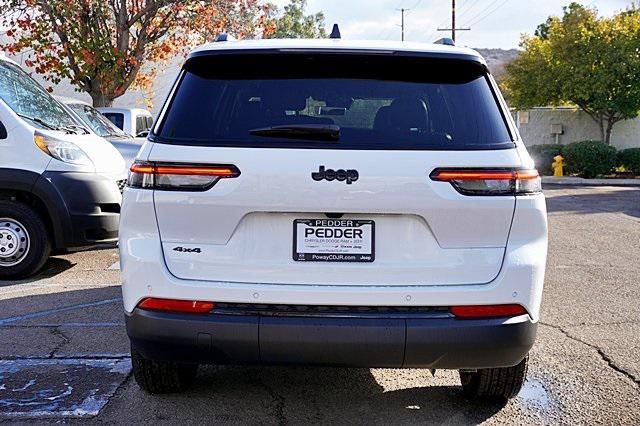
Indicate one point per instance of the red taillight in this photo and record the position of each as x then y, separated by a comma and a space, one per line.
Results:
219, 171
490, 181
142, 168
449, 175
180, 306
179, 177
487, 311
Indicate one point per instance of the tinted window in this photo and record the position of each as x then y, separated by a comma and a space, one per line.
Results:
28, 99
378, 102
141, 124
116, 118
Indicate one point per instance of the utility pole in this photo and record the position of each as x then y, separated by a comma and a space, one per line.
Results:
402, 11
453, 28
453, 20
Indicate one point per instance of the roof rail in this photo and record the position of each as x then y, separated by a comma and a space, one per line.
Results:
224, 37
446, 41
335, 32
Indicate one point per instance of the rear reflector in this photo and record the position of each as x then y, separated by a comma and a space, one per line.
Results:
178, 306
179, 177
487, 311
490, 181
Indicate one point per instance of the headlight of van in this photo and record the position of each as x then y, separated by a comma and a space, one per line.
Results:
62, 150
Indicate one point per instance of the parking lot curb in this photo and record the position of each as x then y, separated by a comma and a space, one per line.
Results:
577, 181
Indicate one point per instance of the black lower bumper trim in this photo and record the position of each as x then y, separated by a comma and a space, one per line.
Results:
354, 342
85, 207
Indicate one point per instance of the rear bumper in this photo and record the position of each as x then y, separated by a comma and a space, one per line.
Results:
354, 342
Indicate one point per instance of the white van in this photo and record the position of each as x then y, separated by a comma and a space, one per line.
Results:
134, 121
59, 183
127, 145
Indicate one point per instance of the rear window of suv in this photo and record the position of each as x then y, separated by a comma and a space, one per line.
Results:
386, 102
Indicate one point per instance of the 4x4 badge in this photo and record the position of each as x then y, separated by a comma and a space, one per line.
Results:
350, 175
187, 249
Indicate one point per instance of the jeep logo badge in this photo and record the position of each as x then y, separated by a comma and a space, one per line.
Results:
341, 175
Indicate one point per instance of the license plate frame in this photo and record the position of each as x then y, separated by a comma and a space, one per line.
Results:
327, 249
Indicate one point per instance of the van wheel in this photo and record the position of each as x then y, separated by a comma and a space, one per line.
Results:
24, 241
498, 384
162, 376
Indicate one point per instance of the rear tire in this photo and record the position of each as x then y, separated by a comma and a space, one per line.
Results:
162, 376
497, 384
25, 243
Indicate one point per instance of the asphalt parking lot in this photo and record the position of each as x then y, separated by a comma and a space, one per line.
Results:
64, 351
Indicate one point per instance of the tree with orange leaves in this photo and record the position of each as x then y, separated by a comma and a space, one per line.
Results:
105, 46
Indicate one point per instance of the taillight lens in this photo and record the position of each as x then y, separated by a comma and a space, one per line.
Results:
487, 311
179, 177
176, 306
490, 181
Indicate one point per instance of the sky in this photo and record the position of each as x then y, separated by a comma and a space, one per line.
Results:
493, 23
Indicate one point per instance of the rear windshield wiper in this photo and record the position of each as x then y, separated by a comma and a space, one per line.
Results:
314, 132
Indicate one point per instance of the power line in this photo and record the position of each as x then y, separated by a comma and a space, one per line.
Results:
453, 28
486, 15
493, 2
482, 11
389, 34
468, 8
412, 8
433, 33
391, 30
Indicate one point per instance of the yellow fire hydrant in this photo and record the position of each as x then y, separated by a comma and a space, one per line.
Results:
557, 165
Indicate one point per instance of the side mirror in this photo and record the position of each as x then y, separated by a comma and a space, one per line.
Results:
143, 134
3, 131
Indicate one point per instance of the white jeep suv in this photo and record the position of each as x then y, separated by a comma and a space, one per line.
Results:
334, 202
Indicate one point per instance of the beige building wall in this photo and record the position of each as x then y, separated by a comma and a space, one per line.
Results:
565, 125
626, 134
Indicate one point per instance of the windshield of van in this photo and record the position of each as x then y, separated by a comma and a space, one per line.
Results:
96, 121
31, 101
117, 118
336, 102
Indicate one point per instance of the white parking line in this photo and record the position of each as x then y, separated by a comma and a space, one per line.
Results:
115, 266
47, 312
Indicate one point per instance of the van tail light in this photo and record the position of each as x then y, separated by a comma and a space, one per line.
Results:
490, 181
176, 306
179, 177
487, 311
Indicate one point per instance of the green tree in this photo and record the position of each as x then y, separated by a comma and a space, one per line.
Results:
582, 59
105, 46
293, 23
